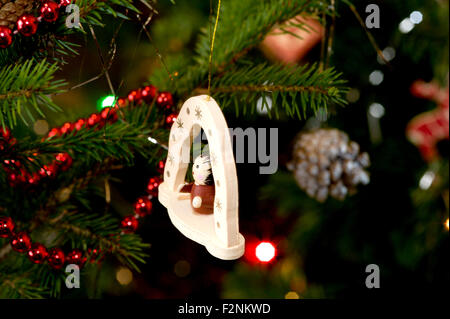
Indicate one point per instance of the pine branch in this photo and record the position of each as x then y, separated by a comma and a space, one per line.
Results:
13, 287
296, 89
24, 89
91, 10
121, 141
90, 230
243, 25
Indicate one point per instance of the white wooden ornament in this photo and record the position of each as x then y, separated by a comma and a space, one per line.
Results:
218, 232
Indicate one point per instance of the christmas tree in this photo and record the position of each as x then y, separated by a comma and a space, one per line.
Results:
89, 91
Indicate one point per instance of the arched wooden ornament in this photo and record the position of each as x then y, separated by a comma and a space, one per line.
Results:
218, 232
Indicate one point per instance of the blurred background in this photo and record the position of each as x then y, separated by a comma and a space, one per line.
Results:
398, 221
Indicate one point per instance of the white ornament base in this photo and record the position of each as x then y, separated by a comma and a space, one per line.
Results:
198, 227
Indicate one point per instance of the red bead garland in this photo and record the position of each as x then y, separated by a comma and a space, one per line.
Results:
27, 24
55, 257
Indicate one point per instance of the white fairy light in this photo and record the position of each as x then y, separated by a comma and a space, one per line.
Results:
152, 140
416, 17
376, 77
388, 54
426, 180
376, 110
406, 25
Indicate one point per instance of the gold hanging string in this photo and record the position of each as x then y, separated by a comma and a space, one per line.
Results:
212, 49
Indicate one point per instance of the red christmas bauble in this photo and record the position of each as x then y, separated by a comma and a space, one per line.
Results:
148, 93
79, 124
170, 119
27, 25
66, 128
135, 96
165, 100
64, 3
21, 242
6, 227
49, 11
56, 258
153, 184
76, 257
5, 37
54, 132
64, 161
122, 102
143, 206
129, 224
37, 253
160, 167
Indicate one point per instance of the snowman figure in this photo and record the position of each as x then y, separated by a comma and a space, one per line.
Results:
202, 191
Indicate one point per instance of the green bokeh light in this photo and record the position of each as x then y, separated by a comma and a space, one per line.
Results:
107, 101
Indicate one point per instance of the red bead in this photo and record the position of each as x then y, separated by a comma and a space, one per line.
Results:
64, 161
165, 100
170, 119
6, 227
54, 132
56, 258
160, 167
5, 37
64, 3
66, 128
27, 25
148, 93
76, 257
153, 184
93, 120
21, 242
37, 253
129, 224
109, 114
143, 206
135, 96
79, 124
49, 11
122, 102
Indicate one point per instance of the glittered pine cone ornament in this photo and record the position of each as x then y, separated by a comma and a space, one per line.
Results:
10, 11
326, 163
